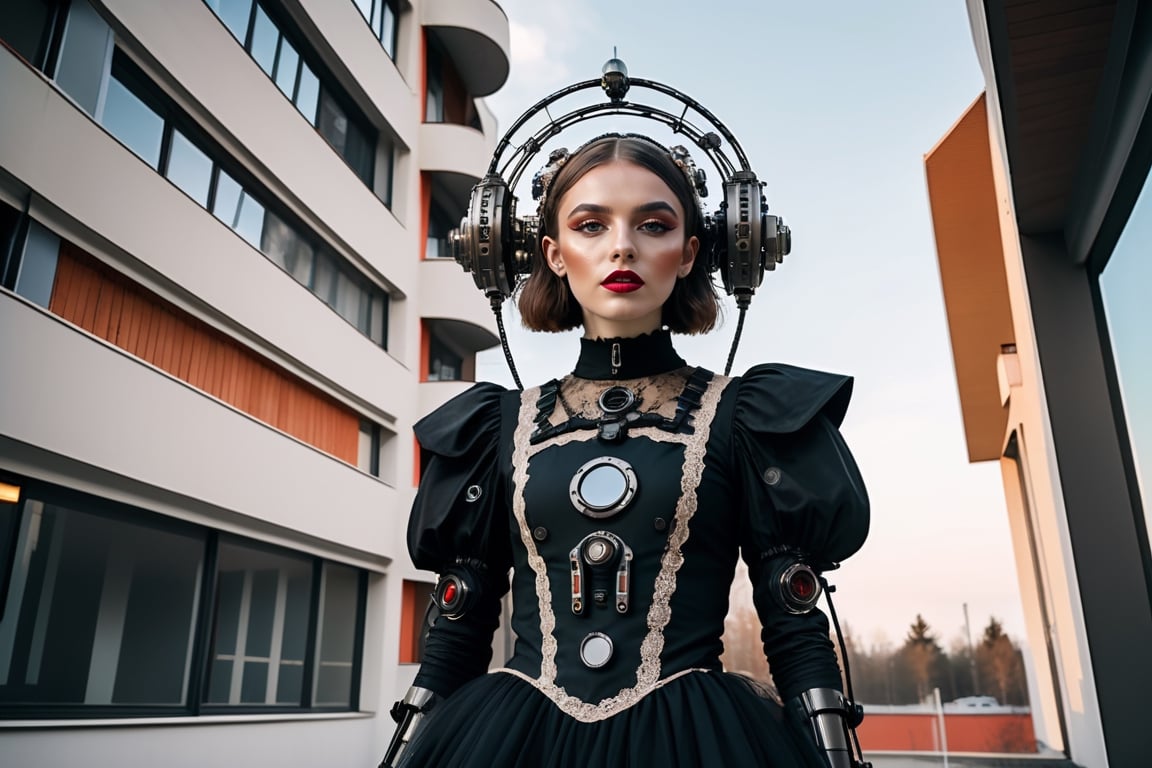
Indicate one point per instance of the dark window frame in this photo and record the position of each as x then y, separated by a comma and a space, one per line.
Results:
200, 651
329, 86
137, 82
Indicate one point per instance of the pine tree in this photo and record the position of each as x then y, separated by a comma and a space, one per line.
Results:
923, 656
1001, 665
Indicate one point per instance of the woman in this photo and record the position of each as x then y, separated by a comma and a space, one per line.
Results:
620, 497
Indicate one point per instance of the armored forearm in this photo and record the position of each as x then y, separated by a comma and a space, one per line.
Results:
830, 716
408, 713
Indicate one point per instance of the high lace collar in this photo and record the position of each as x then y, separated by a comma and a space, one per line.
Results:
627, 358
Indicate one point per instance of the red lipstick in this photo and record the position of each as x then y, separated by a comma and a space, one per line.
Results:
623, 281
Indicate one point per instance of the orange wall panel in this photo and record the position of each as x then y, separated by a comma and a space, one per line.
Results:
107, 305
975, 732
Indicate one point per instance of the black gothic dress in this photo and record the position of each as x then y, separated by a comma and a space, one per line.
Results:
621, 518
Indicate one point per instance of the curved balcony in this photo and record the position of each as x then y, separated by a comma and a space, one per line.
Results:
448, 294
475, 35
455, 149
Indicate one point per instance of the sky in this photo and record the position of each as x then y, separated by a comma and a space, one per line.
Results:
835, 104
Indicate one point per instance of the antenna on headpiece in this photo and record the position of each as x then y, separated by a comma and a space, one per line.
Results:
740, 240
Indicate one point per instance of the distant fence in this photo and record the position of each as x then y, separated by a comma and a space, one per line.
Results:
916, 729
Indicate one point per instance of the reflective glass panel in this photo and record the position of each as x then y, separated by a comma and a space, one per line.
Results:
286, 65
351, 301
265, 36
308, 94
260, 626
337, 636
227, 203
324, 278
333, 123
37, 272
388, 30
365, 7
284, 246
234, 14
379, 319
100, 609
84, 51
133, 122
1125, 285
250, 219
189, 168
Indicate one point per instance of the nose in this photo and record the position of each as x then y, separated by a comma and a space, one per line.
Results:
624, 248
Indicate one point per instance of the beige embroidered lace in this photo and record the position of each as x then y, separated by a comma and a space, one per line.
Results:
661, 392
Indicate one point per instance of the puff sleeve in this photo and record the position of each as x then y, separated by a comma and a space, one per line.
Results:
802, 492
459, 517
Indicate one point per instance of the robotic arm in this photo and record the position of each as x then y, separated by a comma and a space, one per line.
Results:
408, 713
830, 716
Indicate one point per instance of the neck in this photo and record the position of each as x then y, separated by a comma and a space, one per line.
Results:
627, 357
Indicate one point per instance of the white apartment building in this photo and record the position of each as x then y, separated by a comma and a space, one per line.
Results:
223, 303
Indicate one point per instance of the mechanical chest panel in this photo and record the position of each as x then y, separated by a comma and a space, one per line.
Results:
602, 519
600, 515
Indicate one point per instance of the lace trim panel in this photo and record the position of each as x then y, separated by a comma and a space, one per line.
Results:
660, 613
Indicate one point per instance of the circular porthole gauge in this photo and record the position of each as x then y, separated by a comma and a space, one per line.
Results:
603, 487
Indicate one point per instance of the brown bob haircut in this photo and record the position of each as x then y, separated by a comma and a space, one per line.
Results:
546, 301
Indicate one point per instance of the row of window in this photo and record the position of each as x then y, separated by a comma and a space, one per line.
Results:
80, 54
110, 606
133, 113
30, 259
278, 49
383, 18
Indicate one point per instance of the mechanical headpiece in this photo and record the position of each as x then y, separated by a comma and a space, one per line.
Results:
740, 239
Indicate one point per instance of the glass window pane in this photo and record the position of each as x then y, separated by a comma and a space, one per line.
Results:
333, 123
308, 95
250, 219
227, 203
388, 30
379, 319
9, 497
234, 14
100, 610
351, 301
359, 153
133, 122
387, 160
265, 36
324, 282
189, 168
37, 272
284, 246
286, 65
337, 635
365, 7
268, 610
25, 28
1124, 286
85, 54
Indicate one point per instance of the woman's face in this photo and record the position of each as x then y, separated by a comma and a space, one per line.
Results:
621, 243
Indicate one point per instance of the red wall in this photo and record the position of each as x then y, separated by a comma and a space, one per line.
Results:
1008, 732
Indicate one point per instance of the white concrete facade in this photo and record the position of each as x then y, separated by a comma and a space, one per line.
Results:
84, 415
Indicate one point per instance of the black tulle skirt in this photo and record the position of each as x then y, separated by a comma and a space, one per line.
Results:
699, 719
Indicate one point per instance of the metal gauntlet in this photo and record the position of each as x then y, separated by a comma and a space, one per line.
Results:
408, 712
831, 715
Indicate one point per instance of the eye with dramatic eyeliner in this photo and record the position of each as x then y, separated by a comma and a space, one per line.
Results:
590, 226
656, 227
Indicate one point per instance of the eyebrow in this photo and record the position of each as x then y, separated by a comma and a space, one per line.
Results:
658, 205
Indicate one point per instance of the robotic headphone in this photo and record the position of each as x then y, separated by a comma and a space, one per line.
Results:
740, 240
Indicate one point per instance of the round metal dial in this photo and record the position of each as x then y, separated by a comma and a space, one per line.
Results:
603, 487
